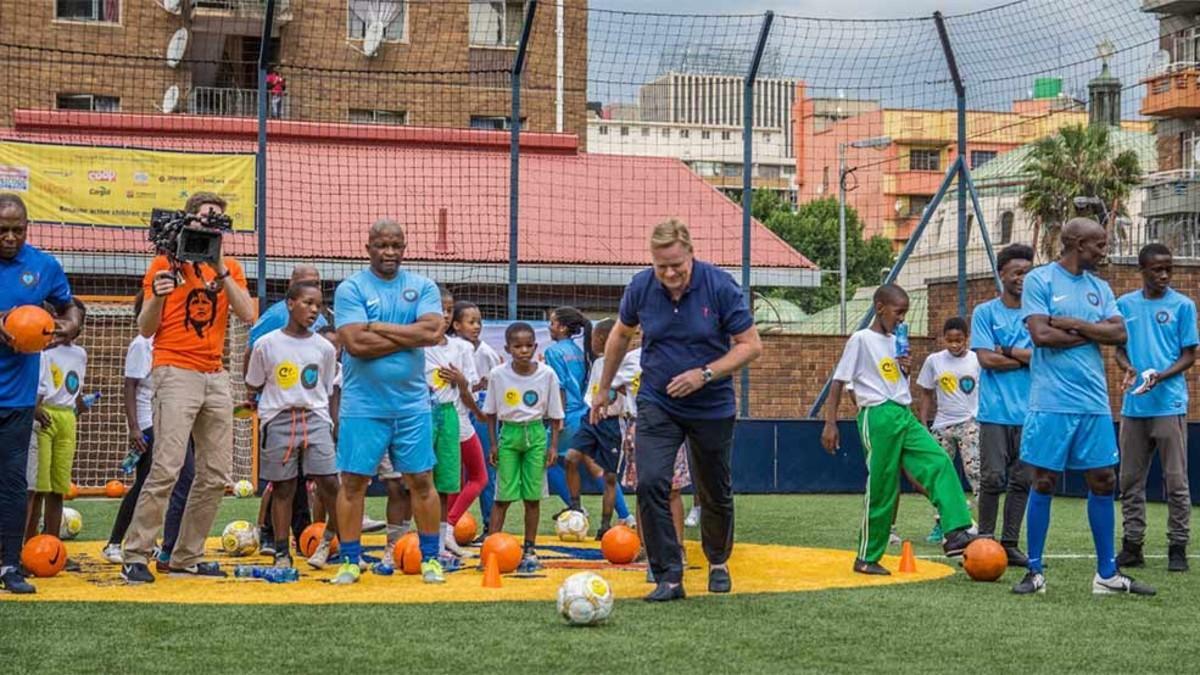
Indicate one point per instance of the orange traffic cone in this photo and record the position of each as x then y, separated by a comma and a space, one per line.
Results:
491, 572
908, 561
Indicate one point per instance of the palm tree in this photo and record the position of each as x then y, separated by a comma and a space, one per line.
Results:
1077, 161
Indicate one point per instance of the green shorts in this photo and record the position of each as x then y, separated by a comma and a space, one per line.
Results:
56, 451
447, 473
521, 461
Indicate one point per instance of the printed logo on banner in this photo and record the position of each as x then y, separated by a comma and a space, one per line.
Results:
14, 178
102, 176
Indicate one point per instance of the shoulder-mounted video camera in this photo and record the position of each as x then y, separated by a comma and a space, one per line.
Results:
172, 233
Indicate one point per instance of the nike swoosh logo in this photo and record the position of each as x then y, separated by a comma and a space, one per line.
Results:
1132, 318
1059, 298
54, 560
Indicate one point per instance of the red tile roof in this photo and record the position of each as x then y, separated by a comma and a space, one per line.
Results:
327, 183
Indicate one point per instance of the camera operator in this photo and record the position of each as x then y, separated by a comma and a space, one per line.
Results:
186, 311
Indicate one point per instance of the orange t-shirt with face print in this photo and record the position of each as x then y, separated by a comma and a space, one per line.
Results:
195, 317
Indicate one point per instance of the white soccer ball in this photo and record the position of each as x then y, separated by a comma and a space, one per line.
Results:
571, 526
71, 525
585, 599
240, 538
243, 488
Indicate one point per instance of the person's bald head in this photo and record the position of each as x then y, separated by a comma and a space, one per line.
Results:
385, 247
305, 273
1084, 241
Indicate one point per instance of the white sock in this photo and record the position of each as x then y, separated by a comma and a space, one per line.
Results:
442, 539
5, 570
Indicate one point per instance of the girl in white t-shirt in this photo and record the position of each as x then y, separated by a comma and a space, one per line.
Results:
467, 323
465, 327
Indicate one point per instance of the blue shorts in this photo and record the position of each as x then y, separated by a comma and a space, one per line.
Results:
408, 442
571, 424
601, 442
1059, 441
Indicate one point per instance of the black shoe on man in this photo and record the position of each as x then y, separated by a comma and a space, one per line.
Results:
666, 592
1130, 555
1177, 558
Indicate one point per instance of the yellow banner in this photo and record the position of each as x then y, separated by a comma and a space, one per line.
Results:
117, 187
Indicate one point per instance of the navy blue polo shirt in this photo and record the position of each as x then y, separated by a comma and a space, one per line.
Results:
30, 278
690, 333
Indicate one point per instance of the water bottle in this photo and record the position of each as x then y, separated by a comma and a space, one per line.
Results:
901, 333
90, 400
129, 464
276, 575
244, 571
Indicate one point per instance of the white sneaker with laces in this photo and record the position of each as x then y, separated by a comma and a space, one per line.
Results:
320, 557
630, 521
112, 553
451, 544
369, 525
693, 517
1119, 584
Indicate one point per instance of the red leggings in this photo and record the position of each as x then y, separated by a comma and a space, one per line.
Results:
473, 484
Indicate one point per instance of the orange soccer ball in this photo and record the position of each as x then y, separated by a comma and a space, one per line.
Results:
311, 537
114, 488
407, 554
44, 555
31, 328
72, 492
465, 529
620, 545
506, 548
985, 560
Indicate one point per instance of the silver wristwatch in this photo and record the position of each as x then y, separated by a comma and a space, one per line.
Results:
707, 374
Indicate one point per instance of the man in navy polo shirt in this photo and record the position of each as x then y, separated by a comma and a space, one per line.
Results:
27, 277
689, 312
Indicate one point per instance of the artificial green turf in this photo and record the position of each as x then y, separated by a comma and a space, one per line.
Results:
953, 625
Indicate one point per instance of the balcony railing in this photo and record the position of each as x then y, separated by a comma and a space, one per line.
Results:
1173, 93
226, 102
241, 6
1172, 192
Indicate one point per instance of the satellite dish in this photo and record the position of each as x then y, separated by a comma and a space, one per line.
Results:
899, 206
172, 6
373, 37
170, 99
176, 47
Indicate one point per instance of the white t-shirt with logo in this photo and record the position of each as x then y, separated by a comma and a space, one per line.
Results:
626, 372
66, 366
869, 363
956, 380
486, 359
632, 361
523, 398
293, 373
460, 354
139, 361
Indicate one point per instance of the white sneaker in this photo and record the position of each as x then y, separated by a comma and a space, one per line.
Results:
112, 553
451, 545
629, 521
693, 517
320, 557
894, 539
389, 553
1120, 584
369, 525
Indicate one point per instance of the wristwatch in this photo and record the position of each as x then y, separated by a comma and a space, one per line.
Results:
707, 374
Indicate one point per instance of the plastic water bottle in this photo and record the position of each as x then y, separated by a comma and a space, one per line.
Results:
244, 571
272, 575
90, 400
901, 332
129, 464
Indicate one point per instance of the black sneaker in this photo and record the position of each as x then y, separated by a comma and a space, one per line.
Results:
874, 568
1177, 558
268, 549
719, 581
1016, 558
136, 573
72, 566
666, 592
600, 533
1033, 582
14, 582
1131, 554
956, 542
202, 569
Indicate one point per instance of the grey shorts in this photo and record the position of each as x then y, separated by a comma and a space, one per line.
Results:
284, 442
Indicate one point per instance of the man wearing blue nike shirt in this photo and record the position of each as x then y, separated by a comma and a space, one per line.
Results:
1001, 341
1161, 323
1070, 313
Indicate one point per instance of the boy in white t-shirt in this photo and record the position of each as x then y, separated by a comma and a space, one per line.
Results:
949, 384
293, 370
65, 368
521, 397
891, 435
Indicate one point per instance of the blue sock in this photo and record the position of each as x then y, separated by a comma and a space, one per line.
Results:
556, 478
621, 507
1103, 521
351, 550
1037, 524
429, 545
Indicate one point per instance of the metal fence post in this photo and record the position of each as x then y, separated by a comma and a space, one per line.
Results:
960, 93
514, 178
260, 158
747, 183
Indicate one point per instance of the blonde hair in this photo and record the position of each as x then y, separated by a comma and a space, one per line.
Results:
670, 232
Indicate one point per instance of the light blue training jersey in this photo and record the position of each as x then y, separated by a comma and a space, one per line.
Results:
567, 360
1003, 394
1158, 330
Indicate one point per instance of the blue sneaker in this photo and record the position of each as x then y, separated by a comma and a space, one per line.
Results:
935, 535
450, 563
383, 569
529, 563
14, 582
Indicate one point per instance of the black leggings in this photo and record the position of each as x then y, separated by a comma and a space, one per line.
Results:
179, 495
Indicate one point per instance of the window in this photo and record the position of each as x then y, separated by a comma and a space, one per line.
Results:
666, 133
768, 171
493, 123
788, 170
1006, 227
825, 180
365, 116
917, 204
1187, 47
981, 157
705, 135
1189, 148
88, 102
731, 170
684, 133
924, 159
496, 23
106, 11
603, 130
391, 13
645, 131
624, 131
726, 135
707, 169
